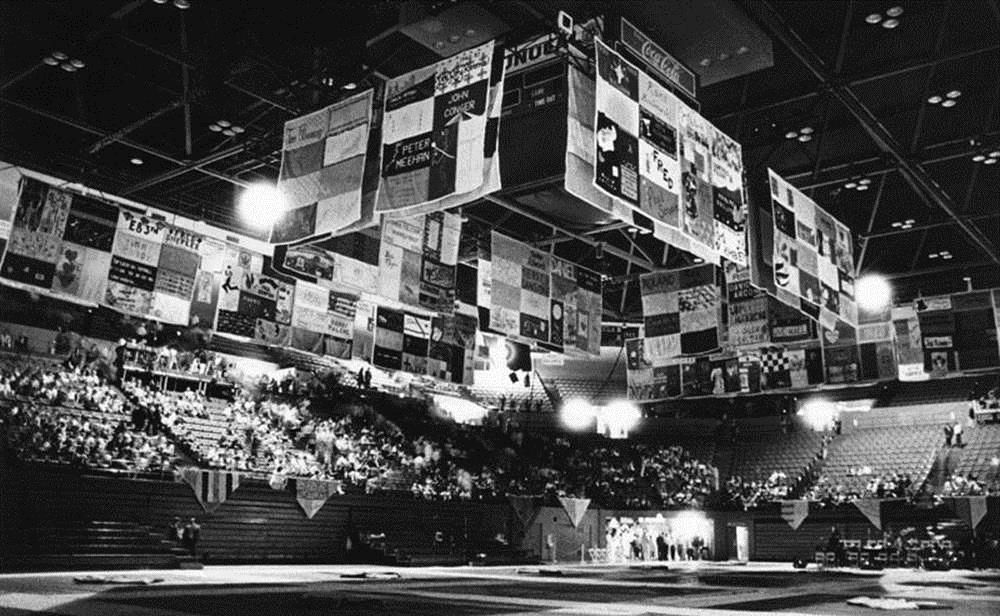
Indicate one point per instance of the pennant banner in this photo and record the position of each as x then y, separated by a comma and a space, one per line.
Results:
524, 508
323, 160
312, 494
871, 508
575, 508
794, 512
211, 488
439, 133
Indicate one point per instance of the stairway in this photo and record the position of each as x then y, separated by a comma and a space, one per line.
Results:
93, 545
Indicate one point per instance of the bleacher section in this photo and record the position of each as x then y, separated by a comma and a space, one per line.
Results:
977, 457
904, 450
760, 453
932, 391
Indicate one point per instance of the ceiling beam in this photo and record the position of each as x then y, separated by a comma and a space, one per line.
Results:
614, 251
857, 81
915, 175
81, 126
931, 225
126, 130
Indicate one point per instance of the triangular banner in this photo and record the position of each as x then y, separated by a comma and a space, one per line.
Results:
794, 512
524, 508
971, 509
871, 508
575, 508
211, 488
312, 494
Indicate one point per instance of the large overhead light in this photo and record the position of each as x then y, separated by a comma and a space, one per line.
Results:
873, 293
577, 414
261, 205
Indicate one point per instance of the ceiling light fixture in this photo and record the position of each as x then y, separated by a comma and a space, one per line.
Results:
350, 85
950, 99
215, 128
58, 55
803, 134
182, 4
50, 61
136, 161
888, 20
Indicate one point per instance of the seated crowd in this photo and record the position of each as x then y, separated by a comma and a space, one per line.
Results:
274, 429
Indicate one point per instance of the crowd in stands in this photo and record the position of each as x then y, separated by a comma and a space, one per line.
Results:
273, 429
166, 358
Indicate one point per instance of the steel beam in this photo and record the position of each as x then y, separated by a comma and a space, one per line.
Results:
931, 225
614, 251
915, 175
81, 126
124, 131
183, 168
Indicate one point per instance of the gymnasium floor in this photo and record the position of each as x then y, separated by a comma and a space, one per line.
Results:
715, 589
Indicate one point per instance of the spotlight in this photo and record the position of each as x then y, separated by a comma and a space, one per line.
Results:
261, 205
577, 414
873, 293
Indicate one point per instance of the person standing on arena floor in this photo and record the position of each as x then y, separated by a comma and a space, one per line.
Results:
948, 433
958, 433
192, 532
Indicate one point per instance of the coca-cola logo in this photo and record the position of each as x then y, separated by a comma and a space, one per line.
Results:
657, 58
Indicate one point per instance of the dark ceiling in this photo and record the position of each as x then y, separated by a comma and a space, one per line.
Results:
155, 78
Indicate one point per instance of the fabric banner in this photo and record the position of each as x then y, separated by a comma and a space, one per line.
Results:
650, 378
60, 243
439, 133
539, 298
871, 508
748, 309
840, 354
682, 311
794, 512
211, 488
908, 344
312, 494
937, 330
524, 508
417, 260
452, 345
663, 159
575, 508
323, 160
402, 340
813, 254
975, 337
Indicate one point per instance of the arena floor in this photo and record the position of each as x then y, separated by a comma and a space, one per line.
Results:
689, 590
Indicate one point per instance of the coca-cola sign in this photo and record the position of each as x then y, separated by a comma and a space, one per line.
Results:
657, 58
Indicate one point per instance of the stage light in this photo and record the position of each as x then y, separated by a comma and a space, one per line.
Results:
621, 415
261, 205
818, 414
873, 293
577, 414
